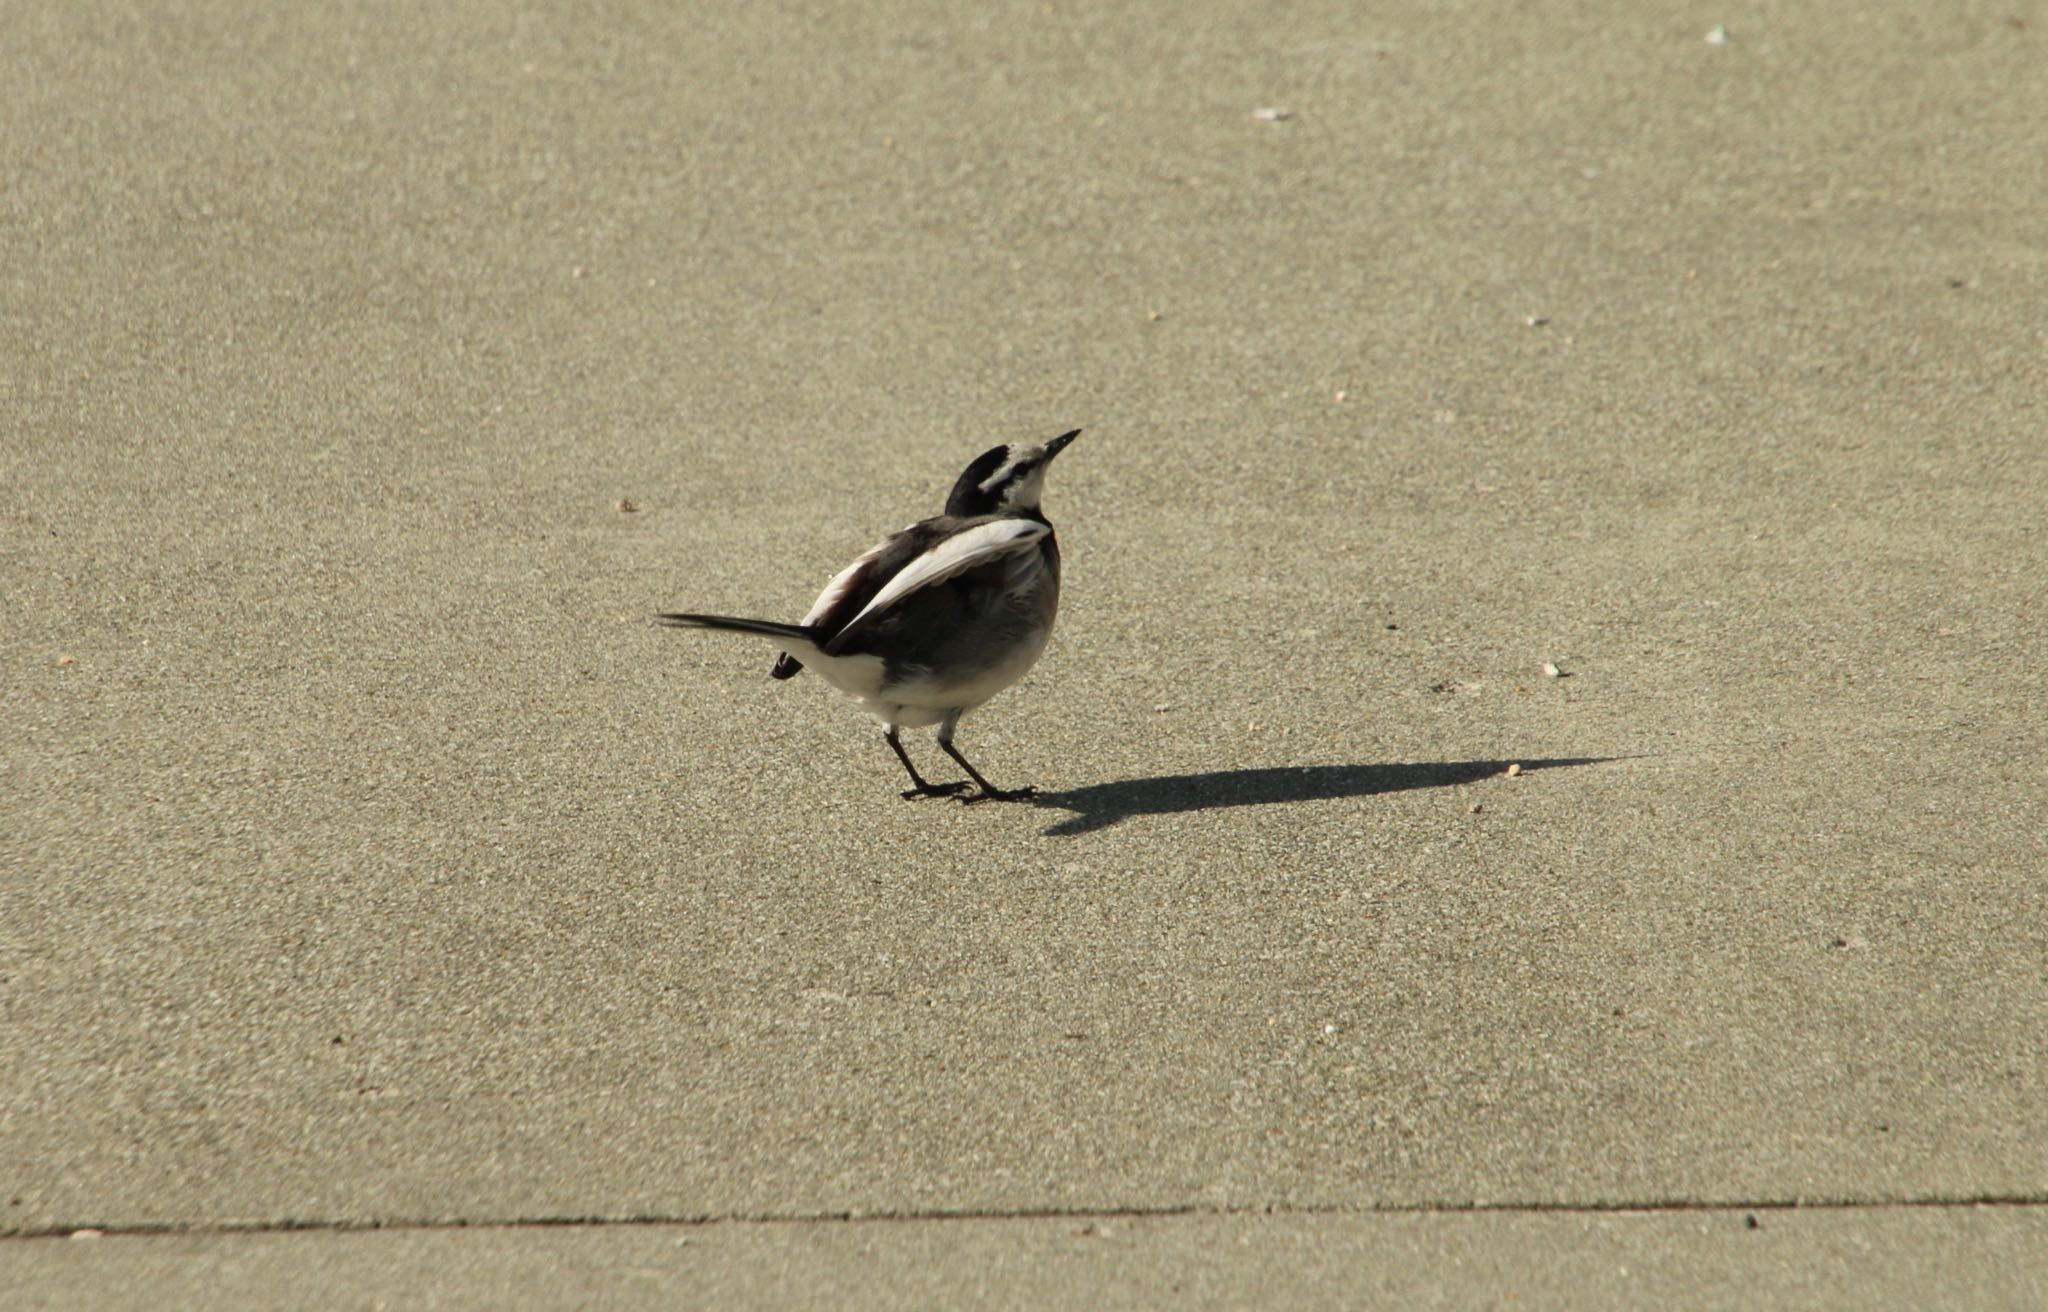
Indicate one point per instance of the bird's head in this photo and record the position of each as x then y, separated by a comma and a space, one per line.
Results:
1005, 479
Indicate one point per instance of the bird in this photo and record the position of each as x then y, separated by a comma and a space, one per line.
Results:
938, 617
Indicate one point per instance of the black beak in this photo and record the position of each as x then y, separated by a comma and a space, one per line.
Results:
1059, 444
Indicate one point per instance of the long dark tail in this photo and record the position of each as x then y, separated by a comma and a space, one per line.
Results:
769, 627
799, 636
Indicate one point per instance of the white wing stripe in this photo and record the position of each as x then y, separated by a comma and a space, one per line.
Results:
962, 551
840, 582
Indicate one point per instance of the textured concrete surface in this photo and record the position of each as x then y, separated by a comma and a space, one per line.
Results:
370, 377
1905, 1257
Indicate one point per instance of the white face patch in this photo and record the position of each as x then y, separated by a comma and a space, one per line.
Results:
1024, 493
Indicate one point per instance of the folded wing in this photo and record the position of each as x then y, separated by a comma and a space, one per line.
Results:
853, 587
947, 558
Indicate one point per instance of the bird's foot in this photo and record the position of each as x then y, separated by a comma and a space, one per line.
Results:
934, 790
988, 794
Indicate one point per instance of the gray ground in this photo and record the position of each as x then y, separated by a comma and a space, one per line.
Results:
372, 860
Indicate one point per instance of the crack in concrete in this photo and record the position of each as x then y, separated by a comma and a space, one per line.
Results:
299, 1225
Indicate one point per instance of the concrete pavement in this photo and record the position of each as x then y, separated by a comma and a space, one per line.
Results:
371, 860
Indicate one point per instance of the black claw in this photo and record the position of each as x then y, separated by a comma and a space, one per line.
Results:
1001, 795
989, 792
934, 790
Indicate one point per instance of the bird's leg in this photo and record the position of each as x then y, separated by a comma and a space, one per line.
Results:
923, 789
989, 792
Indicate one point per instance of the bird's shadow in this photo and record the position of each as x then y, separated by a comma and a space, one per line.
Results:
1099, 806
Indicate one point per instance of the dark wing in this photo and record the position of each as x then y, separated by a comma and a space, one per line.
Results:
852, 588
959, 546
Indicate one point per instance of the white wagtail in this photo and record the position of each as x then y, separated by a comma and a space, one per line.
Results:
938, 617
